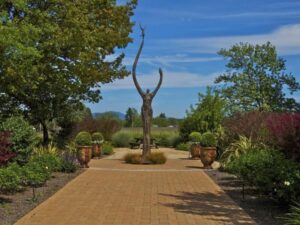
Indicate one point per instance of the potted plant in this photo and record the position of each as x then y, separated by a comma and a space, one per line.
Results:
208, 149
83, 142
97, 139
195, 149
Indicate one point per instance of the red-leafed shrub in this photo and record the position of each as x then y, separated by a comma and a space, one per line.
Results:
248, 124
284, 130
5, 153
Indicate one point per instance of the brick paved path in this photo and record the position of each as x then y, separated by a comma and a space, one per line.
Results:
114, 193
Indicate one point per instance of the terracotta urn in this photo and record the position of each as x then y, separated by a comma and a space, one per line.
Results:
84, 155
195, 150
97, 150
208, 156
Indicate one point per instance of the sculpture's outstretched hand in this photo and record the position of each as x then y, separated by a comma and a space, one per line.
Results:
159, 83
136, 62
135, 65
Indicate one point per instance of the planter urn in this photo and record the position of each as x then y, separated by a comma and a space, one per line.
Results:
208, 156
97, 150
84, 155
195, 150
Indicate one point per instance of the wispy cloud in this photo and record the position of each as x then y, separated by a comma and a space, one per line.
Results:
285, 38
193, 15
168, 60
171, 79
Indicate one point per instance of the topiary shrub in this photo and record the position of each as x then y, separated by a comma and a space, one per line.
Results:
107, 148
195, 136
183, 146
208, 140
23, 137
97, 138
121, 139
83, 139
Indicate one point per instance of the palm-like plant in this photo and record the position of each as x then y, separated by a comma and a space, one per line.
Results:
237, 148
293, 217
50, 149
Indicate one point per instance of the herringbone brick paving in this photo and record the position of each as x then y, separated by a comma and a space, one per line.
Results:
114, 193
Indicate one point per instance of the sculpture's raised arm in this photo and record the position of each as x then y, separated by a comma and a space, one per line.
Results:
159, 83
136, 62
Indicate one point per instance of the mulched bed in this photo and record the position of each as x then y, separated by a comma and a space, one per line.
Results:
13, 207
264, 211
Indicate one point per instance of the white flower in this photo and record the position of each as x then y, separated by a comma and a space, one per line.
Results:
287, 183
46, 167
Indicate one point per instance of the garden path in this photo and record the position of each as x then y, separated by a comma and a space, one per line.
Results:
111, 192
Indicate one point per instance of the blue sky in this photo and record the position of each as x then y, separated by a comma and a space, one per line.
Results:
182, 37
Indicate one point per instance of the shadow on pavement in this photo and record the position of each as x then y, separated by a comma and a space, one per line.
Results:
215, 207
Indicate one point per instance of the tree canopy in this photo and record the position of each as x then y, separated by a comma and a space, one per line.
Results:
256, 79
131, 116
55, 54
207, 115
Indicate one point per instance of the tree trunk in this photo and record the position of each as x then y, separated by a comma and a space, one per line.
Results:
45, 133
147, 117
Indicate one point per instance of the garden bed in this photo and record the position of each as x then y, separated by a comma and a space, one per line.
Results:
13, 207
262, 210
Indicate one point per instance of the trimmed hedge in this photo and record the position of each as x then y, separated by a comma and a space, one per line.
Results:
83, 138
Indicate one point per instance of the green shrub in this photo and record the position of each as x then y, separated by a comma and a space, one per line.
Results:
51, 162
174, 140
83, 138
107, 148
36, 174
133, 158
208, 140
10, 180
166, 138
269, 172
293, 217
183, 146
68, 167
121, 139
97, 138
157, 158
195, 136
23, 137
162, 139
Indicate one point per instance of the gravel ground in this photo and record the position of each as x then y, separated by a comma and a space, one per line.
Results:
13, 207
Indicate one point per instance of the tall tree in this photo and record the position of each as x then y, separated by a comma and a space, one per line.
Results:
207, 115
256, 79
147, 112
130, 117
53, 54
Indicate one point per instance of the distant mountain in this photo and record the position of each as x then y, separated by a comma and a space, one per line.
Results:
120, 115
